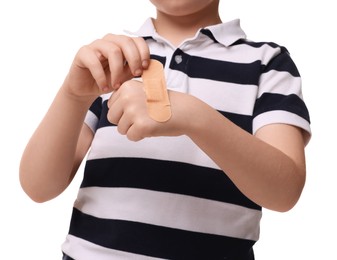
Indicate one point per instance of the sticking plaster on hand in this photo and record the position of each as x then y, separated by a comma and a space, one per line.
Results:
157, 99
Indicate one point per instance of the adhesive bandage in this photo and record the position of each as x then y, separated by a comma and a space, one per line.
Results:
157, 99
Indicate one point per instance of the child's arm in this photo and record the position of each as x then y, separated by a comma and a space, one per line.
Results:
268, 168
60, 142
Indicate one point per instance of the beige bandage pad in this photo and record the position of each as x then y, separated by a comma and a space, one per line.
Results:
157, 99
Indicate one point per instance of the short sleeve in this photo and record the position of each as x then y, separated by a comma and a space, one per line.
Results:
280, 98
93, 115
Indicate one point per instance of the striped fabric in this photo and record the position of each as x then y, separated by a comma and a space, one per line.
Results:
164, 198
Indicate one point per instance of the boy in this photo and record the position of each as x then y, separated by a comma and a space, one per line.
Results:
188, 188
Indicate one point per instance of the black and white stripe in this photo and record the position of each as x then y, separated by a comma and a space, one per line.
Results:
164, 198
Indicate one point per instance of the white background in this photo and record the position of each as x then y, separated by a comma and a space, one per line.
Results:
38, 40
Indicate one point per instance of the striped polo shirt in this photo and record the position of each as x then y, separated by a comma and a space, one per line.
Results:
163, 197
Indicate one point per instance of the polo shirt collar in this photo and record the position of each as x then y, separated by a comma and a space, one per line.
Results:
224, 33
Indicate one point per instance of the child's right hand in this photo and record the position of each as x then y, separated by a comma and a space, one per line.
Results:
103, 65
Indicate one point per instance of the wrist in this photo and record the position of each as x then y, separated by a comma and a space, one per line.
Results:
201, 119
80, 100
191, 112
78, 106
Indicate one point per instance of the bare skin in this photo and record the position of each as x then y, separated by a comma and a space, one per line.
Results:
179, 20
268, 167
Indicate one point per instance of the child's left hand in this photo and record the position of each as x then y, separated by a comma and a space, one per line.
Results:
128, 110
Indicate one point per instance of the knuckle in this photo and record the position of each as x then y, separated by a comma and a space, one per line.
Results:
143, 127
84, 50
124, 95
114, 50
134, 136
136, 60
111, 118
124, 38
121, 130
108, 36
94, 43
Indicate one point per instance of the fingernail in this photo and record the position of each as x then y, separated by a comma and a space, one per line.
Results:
105, 88
145, 64
138, 72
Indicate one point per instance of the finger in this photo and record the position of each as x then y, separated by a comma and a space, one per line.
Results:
124, 124
89, 60
113, 98
132, 50
117, 68
112, 60
115, 113
133, 134
144, 51
115, 110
